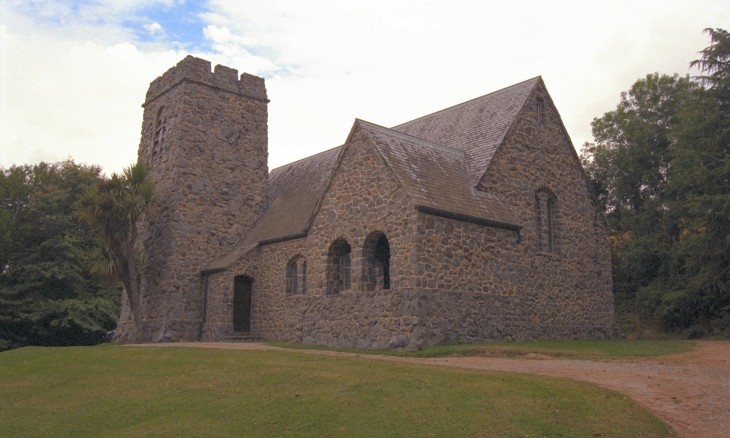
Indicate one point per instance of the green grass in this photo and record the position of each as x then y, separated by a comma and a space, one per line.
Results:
578, 349
141, 391
584, 350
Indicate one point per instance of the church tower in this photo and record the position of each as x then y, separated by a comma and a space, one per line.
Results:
204, 138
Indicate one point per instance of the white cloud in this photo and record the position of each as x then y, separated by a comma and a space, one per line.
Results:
65, 97
153, 28
73, 76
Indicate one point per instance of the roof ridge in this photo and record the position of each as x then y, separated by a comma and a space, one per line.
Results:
305, 158
501, 90
420, 140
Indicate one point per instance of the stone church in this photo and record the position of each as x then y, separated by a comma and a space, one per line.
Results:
473, 223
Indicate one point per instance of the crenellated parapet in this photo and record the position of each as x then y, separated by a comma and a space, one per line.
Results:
196, 70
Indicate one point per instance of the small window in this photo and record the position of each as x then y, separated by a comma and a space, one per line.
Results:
160, 131
545, 208
376, 261
550, 224
338, 267
538, 110
296, 275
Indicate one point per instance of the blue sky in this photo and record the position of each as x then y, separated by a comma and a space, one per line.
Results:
179, 23
73, 74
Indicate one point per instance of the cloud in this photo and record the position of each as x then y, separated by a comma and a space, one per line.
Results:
153, 28
74, 73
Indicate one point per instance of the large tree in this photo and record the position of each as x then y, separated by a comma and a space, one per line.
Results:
659, 167
113, 210
47, 296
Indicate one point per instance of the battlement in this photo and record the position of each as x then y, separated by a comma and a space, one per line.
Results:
192, 69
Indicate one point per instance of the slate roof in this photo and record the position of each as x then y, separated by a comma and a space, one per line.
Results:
294, 192
437, 159
476, 127
433, 175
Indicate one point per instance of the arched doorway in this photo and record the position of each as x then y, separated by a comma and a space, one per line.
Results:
242, 292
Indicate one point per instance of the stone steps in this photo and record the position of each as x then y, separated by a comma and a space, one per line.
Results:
242, 337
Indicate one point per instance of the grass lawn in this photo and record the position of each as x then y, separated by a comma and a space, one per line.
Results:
585, 350
140, 391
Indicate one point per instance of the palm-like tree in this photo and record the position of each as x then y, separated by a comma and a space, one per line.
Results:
113, 210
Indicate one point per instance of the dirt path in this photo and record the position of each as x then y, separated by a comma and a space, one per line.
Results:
690, 391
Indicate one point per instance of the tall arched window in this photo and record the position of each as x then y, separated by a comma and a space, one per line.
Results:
296, 275
160, 131
338, 267
545, 208
376, 261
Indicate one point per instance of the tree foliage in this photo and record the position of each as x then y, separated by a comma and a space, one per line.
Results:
47, 296
660, 168
112, 209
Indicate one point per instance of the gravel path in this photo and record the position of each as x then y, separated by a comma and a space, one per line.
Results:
690, 391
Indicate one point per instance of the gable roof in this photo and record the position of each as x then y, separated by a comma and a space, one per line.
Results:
437, 159
435, 177
477, 127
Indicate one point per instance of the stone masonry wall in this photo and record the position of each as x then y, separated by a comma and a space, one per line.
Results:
204, 137
566, 292
452, 281
364, 198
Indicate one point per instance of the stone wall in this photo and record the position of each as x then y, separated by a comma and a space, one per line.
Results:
204, 137
451, 280
566, 292
364, 198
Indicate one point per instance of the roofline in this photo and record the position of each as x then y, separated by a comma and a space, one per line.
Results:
468, 218
305, 158
285, 238
392, 131
466, 102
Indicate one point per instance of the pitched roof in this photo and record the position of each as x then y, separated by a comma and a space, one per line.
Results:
476, 127
294, 191
434, 176
437, 159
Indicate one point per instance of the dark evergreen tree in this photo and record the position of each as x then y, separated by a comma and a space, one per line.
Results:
47, 296
660, 169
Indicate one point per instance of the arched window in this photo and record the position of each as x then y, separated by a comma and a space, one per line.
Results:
338, 267
160, 131
376, 261
545, 208
296, 275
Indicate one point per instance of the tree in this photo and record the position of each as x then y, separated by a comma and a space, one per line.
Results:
113, 210
700, 188
659, 167
629, 168
47, 297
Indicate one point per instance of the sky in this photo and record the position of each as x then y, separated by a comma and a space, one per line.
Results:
73, 74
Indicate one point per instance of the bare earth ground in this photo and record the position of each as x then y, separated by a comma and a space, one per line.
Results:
690, 391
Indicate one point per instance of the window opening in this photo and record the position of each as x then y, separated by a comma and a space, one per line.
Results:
296, 275
545, 202
338, 267
376, 257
